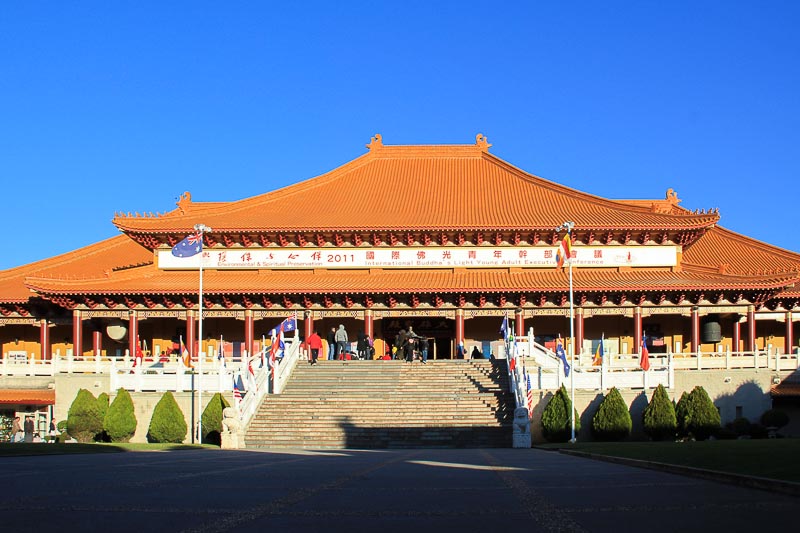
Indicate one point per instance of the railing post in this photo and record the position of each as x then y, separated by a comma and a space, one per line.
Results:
670, 371
728, 358
699, 356
97, 362
69, 360
113, 377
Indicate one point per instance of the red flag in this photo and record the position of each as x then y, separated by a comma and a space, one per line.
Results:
644, 359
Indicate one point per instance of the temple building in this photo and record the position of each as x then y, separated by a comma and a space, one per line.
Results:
446, 239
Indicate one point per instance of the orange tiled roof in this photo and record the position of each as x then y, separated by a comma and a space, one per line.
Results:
415, 188
28, 396
786, 389
90, 261
725, 251
150, 280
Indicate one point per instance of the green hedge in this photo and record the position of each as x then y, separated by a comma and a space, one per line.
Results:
556, 422
659, 419
612, 421
212, 419
702, 419
83, 419
167, 423
120, 420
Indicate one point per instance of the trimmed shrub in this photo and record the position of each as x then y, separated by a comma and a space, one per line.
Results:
168, 423
682, 413
757, 431
212, 419
612, 421
741, 426
83, 419
120, 421
102, 407
659, 419
774, 418
702, 419
556, 422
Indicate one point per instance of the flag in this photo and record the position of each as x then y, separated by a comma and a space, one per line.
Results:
564, 251
504, 328
221, 354
237, 394
598, 355
290, 324
187, 359
562, 355
189, 246
251, 375
512, 357
137, 359
529, 395
644, 357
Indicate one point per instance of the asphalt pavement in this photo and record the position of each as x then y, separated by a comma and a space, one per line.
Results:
380, 491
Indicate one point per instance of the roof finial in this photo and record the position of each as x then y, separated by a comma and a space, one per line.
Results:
183, 202
672, 197
482, 143
375, 142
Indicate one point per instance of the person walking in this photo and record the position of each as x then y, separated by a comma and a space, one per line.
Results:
16, 430
314, 344
362, 345
29, 429
53, 431
332, 343
400, 344
341, 342
423, 349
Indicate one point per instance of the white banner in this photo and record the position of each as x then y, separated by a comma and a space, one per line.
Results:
422, 257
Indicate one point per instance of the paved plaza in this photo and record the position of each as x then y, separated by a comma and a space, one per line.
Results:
376, 490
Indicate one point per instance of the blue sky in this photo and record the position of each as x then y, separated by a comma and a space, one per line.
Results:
109, 107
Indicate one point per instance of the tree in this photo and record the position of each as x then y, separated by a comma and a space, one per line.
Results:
774, 418
120, 421
682, 413
612, 421
102, 407
212, 419
659, 419
167, 423
83, 419
556, 422
703, 418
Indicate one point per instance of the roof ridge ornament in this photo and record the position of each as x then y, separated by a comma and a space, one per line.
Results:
482, 142
183, 202
672, 197
375, 143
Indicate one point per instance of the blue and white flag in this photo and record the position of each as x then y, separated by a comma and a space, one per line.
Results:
504, 328
189, 246
562, 355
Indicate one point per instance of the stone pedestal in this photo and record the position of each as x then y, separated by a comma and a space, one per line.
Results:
522, 428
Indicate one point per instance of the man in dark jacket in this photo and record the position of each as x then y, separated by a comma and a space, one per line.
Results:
332, 343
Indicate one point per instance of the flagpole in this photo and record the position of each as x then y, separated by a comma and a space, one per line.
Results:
200, 229
569, 226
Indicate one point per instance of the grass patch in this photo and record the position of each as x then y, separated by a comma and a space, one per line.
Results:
22, 448
769, 458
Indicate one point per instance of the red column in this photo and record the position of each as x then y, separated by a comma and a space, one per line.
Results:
369, 324
519, 323
97, 341
459, 328
44, 339
249, 331
637, 330
736, 336
578, 330
133, 333
789, 339
191, 334
751, 328
695, 329
77, 333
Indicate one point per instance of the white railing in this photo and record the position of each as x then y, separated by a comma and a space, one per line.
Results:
283, 370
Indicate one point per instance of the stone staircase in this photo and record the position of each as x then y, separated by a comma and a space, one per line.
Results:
388, 404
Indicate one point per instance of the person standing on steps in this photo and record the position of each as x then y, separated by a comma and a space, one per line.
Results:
362, 346
314, 345
423, 349
341, 342
332, 343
